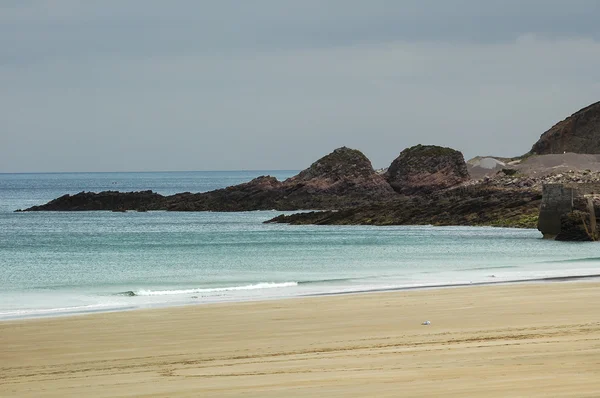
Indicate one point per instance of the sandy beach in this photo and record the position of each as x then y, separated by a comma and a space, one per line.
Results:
534, 340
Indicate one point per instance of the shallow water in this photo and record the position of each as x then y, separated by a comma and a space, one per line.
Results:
56, 263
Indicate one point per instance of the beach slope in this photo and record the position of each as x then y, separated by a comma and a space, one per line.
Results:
532, 340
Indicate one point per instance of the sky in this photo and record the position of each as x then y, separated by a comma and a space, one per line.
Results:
149, 85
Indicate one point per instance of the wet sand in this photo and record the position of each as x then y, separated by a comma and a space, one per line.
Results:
533, 340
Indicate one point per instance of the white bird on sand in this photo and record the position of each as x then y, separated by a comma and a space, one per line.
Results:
426, 323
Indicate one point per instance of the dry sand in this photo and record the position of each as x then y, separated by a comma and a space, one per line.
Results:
534, 340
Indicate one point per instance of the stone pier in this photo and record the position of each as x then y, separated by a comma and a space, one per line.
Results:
557, 200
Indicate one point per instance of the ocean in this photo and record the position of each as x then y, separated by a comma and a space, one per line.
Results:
62, 263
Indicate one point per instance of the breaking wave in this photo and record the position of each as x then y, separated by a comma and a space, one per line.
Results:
263, 285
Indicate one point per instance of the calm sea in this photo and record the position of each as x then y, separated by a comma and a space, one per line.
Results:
75, 262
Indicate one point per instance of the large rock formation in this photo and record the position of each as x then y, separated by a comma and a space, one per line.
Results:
344, 173
579, 133
426, 168
341, 179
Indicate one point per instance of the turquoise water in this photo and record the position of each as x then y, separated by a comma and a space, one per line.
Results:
62, 263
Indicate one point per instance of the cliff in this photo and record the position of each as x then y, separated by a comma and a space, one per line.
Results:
579, 133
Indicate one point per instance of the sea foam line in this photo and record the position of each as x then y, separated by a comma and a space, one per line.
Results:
262, 285
41, 311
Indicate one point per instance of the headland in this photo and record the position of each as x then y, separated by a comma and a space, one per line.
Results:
425, 184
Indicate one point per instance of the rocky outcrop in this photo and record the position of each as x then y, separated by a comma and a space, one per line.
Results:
425, 169
579, 133
107, 200
341, 179
475, 205
262, 193
344, 173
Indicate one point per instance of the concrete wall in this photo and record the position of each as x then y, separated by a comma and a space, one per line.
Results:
557, 200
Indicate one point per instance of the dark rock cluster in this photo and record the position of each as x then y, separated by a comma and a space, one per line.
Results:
107, 200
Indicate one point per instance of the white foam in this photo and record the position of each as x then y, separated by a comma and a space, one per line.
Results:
263, 285
44, 311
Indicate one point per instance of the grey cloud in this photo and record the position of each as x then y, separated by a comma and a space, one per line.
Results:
74, 28
274, 84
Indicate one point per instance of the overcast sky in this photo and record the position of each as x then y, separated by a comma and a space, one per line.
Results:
113, 85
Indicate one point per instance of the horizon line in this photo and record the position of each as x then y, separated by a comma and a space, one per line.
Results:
147, 171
